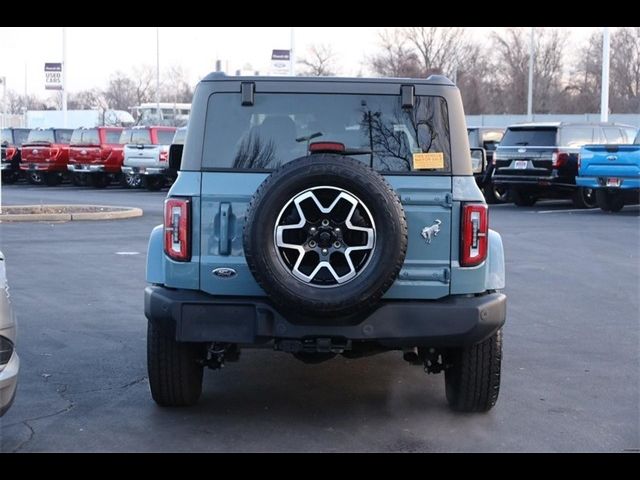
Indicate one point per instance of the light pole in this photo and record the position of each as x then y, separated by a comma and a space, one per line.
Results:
64, 76
292, 58
530, 89
604, 92
158, 72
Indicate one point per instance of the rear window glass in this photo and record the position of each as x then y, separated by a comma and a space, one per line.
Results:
85, 137
140, 136
535, 137
41, 136
6, 136
630, 133
165, 137
180, 136
474, 138
112, 136
576, 136
63, 136
20, 136
279, 128
637, 140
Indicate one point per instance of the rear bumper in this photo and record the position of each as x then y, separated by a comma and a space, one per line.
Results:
9, 383
601, 182
144, 170
533, 181
198, 317
43, 167
90, 168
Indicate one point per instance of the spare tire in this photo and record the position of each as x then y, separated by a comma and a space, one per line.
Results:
325, 235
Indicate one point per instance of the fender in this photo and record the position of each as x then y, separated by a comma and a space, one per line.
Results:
155, 257
495, 271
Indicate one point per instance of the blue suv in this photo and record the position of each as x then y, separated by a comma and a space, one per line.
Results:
323, 217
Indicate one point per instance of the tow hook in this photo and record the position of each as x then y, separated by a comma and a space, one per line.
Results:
433, 360
217, 353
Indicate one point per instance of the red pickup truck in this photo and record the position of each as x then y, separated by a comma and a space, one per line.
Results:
45, 155
96, 153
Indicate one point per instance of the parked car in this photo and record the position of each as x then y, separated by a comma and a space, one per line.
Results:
311, 217
487, 138
97, 153
45, 155
146, 153
9, 361
613, 171
11, 141
540, 160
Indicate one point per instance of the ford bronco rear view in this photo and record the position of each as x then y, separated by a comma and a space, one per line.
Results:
323, 217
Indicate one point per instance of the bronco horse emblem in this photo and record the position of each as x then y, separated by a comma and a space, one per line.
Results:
429, 232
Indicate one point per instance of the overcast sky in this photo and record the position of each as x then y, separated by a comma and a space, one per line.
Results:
94, 53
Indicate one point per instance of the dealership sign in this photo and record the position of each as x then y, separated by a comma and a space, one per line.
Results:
53, 76
281, 62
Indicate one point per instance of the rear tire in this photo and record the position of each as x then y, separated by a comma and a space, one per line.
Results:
10, 177
153, 183
52, 179
100, 180
35, 178
609, 201
584, 198
494, 194
472, 380
175, 374
523, 198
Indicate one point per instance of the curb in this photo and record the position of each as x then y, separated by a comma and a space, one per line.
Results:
119, 213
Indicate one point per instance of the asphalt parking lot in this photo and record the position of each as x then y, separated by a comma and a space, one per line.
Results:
570, 369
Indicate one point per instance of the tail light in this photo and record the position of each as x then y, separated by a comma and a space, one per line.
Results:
559, 159
164, 155
105, 153
53, 152
11, 151
475, 228
177, 228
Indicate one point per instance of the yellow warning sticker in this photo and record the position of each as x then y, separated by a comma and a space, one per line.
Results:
424, 161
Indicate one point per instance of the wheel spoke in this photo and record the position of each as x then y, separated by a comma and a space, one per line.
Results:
327, 226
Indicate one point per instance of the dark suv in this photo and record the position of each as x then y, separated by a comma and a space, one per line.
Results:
540, 160
323, 217
12, 140
487, 138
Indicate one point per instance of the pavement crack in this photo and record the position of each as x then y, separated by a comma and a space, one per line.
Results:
24, 442
116, 387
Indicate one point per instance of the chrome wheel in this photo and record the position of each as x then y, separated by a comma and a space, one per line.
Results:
325, 236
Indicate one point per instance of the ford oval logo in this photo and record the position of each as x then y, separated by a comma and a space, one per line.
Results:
83, 152
522, 150
224, 272
612, 158
34, 151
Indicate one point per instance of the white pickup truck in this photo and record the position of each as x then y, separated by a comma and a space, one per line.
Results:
146, 154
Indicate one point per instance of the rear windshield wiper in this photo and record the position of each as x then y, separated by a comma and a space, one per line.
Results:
522, 143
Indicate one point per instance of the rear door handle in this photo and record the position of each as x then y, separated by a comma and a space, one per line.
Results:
224, 246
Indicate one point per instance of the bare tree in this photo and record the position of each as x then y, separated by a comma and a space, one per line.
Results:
441, 50
625, 70
512, 68
85, 100
396, 58
320, 61
121, 92
175, 87
17, 104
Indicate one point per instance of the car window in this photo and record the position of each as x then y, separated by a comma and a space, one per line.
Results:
279, 128
112, 136
6, 136
630, 134
576, 136
20, 136
474, 137
637, 140
63, 136
180, 136
41, 136
83, 136
613, 135
125, 136
529, 136
140, 136
165, 136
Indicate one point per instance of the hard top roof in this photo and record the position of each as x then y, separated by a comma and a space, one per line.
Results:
431, 80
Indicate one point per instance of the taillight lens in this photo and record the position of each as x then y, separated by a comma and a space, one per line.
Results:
53, 152
11, 151
164, 155
327, 147
475, 229
177, 227
559, 159
105, 152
